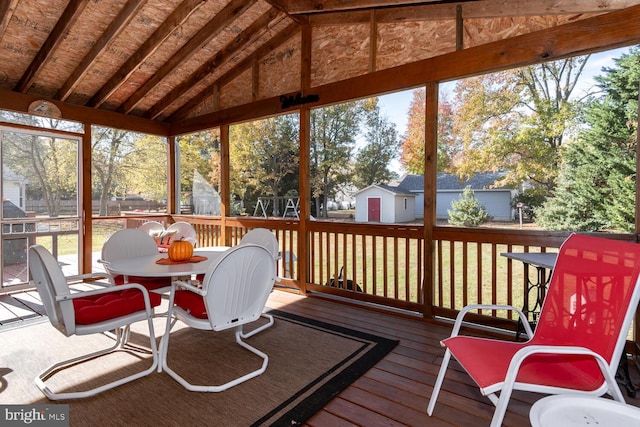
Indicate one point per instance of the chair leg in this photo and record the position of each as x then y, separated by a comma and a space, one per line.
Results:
260, 328
164, 345
438, 383
501, 406
120, 341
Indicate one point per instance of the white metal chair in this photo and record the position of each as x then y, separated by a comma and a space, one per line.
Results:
263, 237
152, 228
234, 292
84, 313
184, 231
129, 243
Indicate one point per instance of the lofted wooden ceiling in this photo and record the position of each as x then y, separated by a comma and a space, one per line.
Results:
167, 60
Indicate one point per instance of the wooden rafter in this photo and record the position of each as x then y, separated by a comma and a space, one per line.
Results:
317, 6
7, 8
69, 16
244, 65
177, 18
281, 5
218, 23
127, 13
470, 10
615, 29
250, 34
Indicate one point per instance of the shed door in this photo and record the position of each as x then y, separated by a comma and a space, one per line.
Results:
373, 207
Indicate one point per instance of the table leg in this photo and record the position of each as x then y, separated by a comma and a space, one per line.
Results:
540, 288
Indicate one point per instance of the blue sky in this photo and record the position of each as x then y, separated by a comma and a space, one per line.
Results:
395, 106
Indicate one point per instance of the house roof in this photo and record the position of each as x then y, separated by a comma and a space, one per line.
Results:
170, 60
396, 191
446, 181
9, 175
480, 181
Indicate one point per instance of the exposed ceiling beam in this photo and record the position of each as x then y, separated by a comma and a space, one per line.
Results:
324, 6
281, 5
241, 67
254, 31
616, 29
498, 8
127, 13
173, 21
317, 6
218, 23
15, 101
470, 10
69, 16
7, 8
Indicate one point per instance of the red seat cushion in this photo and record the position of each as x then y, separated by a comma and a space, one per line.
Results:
150, 283
191, 302
98, 308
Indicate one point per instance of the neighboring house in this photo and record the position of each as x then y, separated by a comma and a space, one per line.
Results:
409, 190
13, 187
497, 201
344, 198
384, 203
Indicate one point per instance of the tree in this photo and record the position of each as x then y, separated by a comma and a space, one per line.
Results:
372, 161
199, 152
106, 154
467, 211
264, 158
146, 167
517, 120
125, 162
412, 143
48, 164
596, 185
333, 137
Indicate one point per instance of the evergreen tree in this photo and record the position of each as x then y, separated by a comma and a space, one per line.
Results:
468, 211
596, 184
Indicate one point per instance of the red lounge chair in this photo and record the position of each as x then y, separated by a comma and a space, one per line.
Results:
580, 334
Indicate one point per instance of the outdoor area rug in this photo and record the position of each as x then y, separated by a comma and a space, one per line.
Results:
310, 362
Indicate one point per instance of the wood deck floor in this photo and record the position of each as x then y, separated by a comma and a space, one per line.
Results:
393, 393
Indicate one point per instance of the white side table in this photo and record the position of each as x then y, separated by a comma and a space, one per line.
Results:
571, 410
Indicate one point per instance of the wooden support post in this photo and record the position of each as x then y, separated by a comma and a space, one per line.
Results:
86, 210
225, 196
430, 183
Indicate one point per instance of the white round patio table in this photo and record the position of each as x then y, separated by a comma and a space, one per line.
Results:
571, 410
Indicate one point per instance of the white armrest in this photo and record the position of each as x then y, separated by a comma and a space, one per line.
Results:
188, 286
468, 308
78, 278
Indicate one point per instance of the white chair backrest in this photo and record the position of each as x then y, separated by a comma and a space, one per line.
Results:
183, 230
128, 243
152, 227
51, 283
263, 237
238, 286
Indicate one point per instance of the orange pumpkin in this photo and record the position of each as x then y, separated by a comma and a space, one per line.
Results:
180, 250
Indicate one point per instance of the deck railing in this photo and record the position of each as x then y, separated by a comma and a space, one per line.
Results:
383, 263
